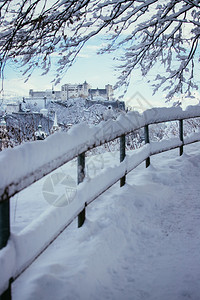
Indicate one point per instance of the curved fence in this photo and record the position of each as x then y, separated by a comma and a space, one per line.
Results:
26, 164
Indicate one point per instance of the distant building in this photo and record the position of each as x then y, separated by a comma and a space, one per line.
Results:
12, 108
48, 94
69, 91
40, 134
106, 93
85, 91
55, 126
40, 99
74, 91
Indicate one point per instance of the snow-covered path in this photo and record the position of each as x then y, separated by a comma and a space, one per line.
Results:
139, 242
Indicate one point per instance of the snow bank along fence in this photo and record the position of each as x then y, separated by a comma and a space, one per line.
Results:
25, 164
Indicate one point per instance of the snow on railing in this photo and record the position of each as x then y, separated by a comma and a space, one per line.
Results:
29, 162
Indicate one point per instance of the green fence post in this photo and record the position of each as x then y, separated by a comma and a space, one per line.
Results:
4, 222
5, 234
122, 156
146, 136
181, 136
7, 294
81, 176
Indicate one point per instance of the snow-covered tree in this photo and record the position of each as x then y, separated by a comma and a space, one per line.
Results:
149, 33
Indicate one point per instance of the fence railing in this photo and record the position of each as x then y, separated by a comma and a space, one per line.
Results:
22, 166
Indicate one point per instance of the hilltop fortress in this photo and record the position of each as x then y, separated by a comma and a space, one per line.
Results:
70, 91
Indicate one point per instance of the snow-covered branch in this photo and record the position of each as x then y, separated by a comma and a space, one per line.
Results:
152, 33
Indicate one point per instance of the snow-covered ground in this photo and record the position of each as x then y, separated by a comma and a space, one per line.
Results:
139, 242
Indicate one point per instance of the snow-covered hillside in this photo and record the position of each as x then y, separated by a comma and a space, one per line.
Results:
139, 242
77, 110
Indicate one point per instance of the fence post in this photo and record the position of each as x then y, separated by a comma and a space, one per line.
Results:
4, 222
81, 176
5, 234
122, 156
181, 136
146, 136
7, 294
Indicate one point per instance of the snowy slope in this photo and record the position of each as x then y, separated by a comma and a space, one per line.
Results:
75, 111
139, 242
